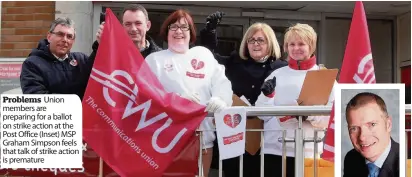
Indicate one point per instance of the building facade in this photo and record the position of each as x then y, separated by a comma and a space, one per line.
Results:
24, 23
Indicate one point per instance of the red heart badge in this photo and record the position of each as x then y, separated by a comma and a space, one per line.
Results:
197, 65
232, 121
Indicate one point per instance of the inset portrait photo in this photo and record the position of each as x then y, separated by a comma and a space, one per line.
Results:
370, 136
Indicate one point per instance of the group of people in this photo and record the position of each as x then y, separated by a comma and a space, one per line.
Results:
255, 71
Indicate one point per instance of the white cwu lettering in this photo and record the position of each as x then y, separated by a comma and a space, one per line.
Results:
365, 63
129, 110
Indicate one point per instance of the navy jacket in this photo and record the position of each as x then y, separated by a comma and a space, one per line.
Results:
42, 73
153, 47
355, 166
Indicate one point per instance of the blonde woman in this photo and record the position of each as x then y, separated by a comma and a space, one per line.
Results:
300, 45
247, 69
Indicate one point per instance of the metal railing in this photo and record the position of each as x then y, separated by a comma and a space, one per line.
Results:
299, 140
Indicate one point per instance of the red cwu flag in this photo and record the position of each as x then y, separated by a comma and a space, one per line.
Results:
129, 120
357, 67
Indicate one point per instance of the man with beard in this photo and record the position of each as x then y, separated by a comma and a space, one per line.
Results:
375, 153
136, 22
51, 68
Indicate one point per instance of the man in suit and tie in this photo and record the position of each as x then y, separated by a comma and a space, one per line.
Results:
375, 153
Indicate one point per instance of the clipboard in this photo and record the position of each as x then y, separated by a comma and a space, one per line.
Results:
317, 87
252, 138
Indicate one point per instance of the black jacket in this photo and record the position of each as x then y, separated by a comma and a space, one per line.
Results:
42, 73
153, 47
355, 166
246, 76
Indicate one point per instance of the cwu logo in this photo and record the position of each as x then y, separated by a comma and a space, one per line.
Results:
365, 72
131, 92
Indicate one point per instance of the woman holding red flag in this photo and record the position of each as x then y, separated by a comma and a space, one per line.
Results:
192, 73
285, 85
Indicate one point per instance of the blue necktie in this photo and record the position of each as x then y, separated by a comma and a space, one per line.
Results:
373, 170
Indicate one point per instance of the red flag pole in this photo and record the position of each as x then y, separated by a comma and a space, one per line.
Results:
200, 155
101, 167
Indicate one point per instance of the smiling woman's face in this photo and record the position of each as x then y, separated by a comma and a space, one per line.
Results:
298, 49
178, 37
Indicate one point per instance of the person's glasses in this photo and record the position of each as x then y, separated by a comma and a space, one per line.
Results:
174, 27
61, 34
258, 40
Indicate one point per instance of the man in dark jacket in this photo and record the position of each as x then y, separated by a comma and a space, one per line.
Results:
51, 68
136, 22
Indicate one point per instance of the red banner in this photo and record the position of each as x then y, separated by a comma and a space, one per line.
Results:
357, 66
185, 164
129, 120
10, 77
10, 71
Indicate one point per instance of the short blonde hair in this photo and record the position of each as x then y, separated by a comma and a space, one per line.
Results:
304, 32
273, 45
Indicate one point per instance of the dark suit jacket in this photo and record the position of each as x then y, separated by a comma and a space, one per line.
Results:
355, 166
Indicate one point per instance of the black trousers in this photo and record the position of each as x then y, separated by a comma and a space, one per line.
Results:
273, 166
251, 164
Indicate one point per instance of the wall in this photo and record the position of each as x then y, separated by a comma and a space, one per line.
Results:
380, 34
404, 37
404, 41
23, 24
81, 12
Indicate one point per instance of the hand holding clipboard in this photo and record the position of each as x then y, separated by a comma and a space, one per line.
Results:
317, 87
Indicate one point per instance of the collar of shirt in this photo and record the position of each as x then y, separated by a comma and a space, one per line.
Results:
61, 59
379, 162
147, 46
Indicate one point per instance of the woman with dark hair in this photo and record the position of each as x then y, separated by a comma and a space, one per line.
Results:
193, 73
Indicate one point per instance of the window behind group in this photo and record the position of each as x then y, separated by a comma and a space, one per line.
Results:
228, 36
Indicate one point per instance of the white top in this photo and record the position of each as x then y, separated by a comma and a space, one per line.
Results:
288, 86
196, 71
